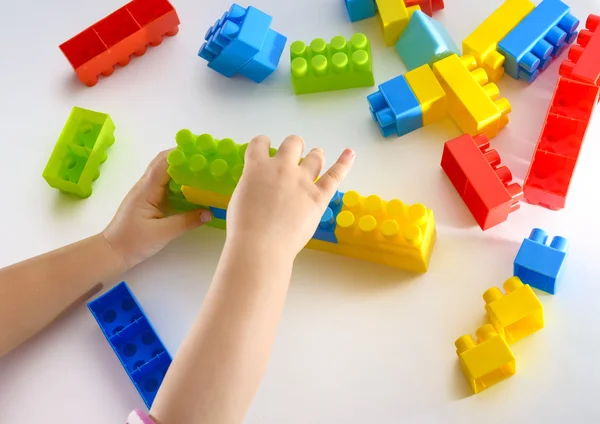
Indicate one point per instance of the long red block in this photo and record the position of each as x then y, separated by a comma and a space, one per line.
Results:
555, 157
583, 63
427, 6
484, 185
115, 38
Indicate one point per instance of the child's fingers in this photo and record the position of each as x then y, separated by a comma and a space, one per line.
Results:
332, 179
291, 149
313, 163
156, 174
258, 148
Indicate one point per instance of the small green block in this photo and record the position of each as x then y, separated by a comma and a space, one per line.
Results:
339, 65
178, 201
79, 152
221, 224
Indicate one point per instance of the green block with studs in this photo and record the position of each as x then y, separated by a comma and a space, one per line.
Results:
177, 200
79, 152
339, 65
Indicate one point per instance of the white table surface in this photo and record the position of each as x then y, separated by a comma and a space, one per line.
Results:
358, 342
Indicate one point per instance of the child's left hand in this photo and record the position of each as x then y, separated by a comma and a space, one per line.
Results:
140, 228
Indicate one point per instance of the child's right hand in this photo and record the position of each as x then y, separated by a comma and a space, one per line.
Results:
277, 204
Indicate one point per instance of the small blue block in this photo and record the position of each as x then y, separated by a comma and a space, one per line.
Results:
538, 264
360, 9
133, 339
265, 62
538, 38
326, 229
395, 108
235, 39
424, 40
218, 213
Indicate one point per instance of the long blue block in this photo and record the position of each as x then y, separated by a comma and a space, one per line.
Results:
395, 108
133, 339
266, 60
541, 36
218, 213
424, 41
326, 229
360, 9
235, 39
538, 264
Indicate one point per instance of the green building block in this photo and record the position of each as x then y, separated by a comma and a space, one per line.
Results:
338, 65
177, 200
79, 151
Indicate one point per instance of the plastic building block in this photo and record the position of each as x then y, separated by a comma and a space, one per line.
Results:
555, 157
265, 62
395, 108
427, 6
326, 229
424, 41
242, 41
517, 314
360, 9
474, 104
486, 362
429, 93
483, 42
338, 65
205, 197
177, 200
540, 265
484, 185
133, 339
218, 213
79, 152
583, 63
394, 16
203, 162
115, 38
539, 37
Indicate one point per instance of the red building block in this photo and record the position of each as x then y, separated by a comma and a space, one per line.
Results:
115, 38
551, 169
427, 6
484, 185
583, 63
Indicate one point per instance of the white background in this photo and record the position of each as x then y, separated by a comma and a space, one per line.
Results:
358, 342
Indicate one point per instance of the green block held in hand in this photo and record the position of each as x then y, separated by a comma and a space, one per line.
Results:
79, 152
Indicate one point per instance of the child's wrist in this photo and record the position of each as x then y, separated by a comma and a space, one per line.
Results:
260, 248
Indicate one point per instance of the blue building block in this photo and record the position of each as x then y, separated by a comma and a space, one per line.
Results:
326, 229
424, 41
360, 9
235, 39
541, 36
266, 60
135, 342
218, 213
538, 264
395, 108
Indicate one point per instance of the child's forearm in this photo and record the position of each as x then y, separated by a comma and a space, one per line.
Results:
218, 368
35, 292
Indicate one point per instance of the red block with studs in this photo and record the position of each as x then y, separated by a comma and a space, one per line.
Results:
484, 185
427, 6
551, 169
115, 38
583, 63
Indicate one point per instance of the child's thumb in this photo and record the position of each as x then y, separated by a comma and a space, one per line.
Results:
177, 225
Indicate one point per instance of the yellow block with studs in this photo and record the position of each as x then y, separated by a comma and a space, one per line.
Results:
429, 93
205, 197
394, 17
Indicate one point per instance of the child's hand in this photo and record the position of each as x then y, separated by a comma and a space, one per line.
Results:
277, 204
140, 228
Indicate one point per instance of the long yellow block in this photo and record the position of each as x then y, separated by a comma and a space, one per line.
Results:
483, 42
474, 104
429, 92
205, 197
394, 17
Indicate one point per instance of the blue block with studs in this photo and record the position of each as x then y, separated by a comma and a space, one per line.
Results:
360, 9
326, 229
133, 339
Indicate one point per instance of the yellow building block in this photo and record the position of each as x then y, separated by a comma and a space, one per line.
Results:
205, 197
429, 92
394, 17
483, 42
474, 104
486, 362
389, 233
517, 314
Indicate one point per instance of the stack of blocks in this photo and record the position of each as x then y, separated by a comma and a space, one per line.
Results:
133, 339
206, 171
241, 42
